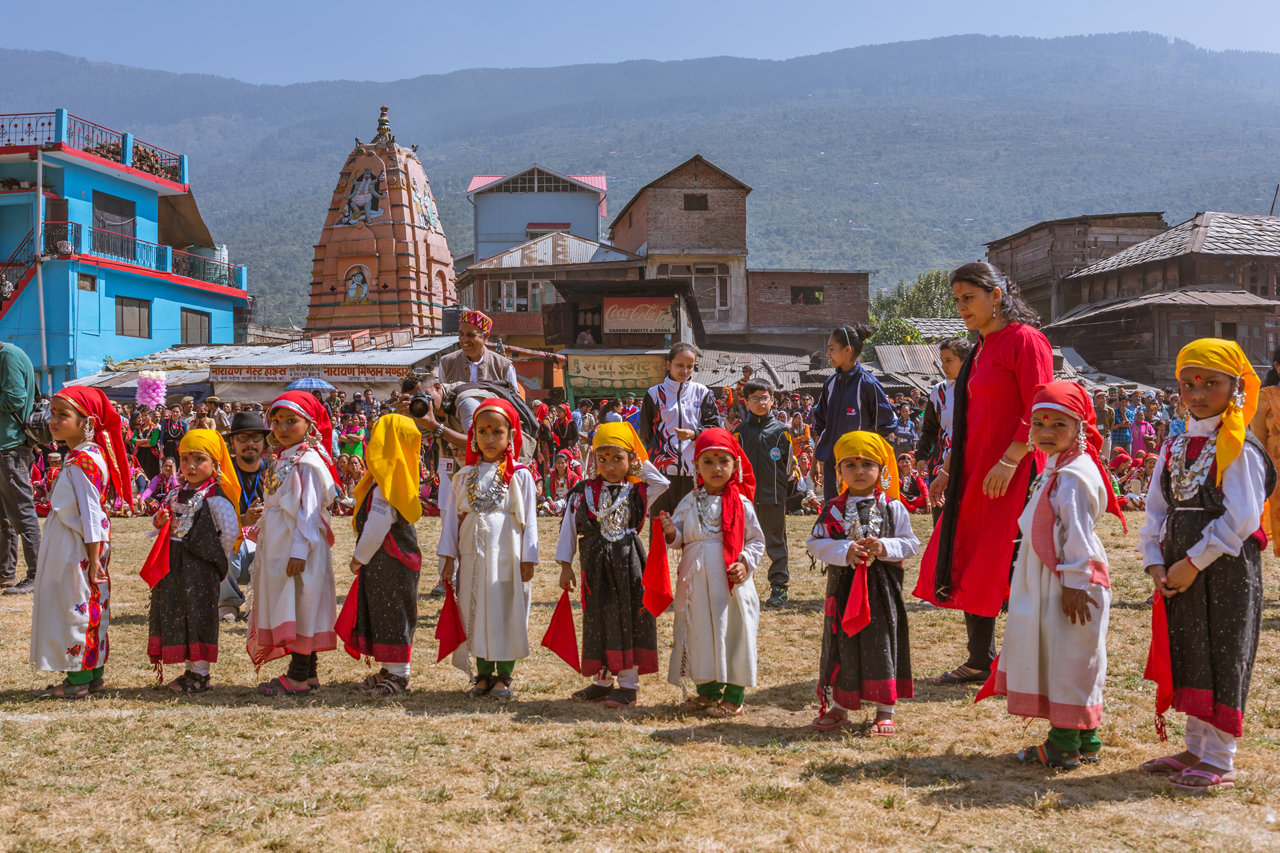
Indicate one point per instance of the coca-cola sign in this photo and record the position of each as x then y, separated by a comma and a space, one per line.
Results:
639, 315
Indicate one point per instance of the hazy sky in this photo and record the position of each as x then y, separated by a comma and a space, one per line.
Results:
286, 41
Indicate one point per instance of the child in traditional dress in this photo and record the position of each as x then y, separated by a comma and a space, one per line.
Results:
564, 476
294, 604
1202, 546
490, 527
381, 611
1054, 660
71, 611
202, 530
717, 608
863, 535
619, 634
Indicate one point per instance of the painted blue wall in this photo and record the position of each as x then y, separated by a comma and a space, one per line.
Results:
78, 184
501, 219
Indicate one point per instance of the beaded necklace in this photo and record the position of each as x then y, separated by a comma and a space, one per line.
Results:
850, 521
1186, 480
185, 516
613, 518
491, 497
710, 510
279, 472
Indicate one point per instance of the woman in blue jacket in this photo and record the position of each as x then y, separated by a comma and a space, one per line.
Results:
851, 400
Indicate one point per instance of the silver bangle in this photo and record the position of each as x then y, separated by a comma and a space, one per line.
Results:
1007, 463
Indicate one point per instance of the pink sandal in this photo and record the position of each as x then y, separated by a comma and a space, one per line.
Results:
884, 728
836, 722
1215, 781
1153, 766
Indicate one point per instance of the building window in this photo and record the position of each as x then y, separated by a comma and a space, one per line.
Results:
114, 227
195, 327
806, 295
695, 202
87, 281
710, 286
133, 317
537, 181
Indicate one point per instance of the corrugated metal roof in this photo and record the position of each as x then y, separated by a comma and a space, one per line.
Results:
937, 328
1192, 297
554, 249
717, 368
128, 379
1084, 219
1208, 233
290, 354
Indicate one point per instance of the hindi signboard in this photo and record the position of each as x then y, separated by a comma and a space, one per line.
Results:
287, 373
639, 315
613, 370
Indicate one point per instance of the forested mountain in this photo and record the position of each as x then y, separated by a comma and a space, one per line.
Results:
898, 157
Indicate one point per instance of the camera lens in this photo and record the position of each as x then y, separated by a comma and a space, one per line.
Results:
420, 405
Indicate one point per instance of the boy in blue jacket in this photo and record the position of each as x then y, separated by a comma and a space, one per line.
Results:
766, 443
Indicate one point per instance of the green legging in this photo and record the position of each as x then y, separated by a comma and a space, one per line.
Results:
487, 667
716, 690
1085, 740
84, 676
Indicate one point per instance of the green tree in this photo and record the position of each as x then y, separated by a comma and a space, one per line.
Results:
928, 296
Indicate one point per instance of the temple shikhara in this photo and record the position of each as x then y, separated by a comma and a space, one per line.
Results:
382, 262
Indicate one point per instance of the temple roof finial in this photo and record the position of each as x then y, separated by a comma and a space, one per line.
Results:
384, 128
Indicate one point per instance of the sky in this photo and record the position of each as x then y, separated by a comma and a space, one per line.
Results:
287, 41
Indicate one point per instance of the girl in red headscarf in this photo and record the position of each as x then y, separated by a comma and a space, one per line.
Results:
717, 608
294, 604
71, 610
489, 527
1054, 659
565, 474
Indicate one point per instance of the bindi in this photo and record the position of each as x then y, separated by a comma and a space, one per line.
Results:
1197, 377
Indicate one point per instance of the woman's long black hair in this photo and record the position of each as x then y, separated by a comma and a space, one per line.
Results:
1011, 307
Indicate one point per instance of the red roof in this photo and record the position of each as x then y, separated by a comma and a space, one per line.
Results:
600, 182
548, 226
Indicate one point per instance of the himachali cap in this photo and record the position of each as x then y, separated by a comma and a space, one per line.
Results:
478, 319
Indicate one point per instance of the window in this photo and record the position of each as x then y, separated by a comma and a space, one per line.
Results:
806, 295
710, 286
195, 327
87, 281
114, 227
1228, 331
538, 181
695, 202
133, 317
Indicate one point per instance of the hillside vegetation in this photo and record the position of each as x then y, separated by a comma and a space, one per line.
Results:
898, 158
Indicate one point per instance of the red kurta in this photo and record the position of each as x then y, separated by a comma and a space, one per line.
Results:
1007, 367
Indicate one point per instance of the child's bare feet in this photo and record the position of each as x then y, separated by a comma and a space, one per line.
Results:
830, 721
883, 726
725, 708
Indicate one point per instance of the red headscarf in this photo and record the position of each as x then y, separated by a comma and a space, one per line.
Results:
93, 403
305, 404
743, 484
566, 414
542, 412
1072, 400
571, 473
508, 411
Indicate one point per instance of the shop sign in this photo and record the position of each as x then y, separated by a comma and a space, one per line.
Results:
288, 373
639, 315
607, 370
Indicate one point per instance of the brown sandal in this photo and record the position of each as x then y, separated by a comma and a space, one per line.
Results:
372, 682
391, 685
190, 682
482, 686
78, 691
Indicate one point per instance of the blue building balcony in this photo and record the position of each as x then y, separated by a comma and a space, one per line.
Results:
60, 128
67, 239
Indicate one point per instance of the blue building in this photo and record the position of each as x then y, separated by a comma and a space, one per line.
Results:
111, 259
513, 209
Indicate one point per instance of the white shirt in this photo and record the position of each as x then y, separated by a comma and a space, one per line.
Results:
510, 377
1243, 493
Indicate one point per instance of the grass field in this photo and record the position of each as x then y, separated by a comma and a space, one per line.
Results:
138, 769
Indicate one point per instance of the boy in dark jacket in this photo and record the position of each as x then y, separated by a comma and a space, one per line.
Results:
766, 443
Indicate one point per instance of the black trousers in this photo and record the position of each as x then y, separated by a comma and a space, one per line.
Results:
18, 521
982, 640
670, 499
773, 521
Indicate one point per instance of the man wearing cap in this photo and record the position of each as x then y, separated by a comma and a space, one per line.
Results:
220, 413
188, 411
247, 440
475, 362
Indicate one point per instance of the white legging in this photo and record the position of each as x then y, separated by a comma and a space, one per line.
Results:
1213, 746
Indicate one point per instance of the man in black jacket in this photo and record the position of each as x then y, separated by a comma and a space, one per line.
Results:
767, 444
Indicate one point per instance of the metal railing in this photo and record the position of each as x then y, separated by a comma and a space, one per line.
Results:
203, 269
94, 139
157, 161
61, 238
15, 269
27, 129
122, 247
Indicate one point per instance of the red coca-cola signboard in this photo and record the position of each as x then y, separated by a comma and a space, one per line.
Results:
639, 315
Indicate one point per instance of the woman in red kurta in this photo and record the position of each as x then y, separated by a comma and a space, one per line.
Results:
983, 484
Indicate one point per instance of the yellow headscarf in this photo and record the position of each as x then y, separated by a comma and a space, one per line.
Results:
621, 435
1226, 357
212, 443
394, 455
869, 445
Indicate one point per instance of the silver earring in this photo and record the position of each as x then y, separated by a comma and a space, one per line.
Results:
885, 481
89, 431
1237, 399
1082, 443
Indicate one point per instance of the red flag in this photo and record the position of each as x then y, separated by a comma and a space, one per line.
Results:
657, 573
157, 564
449, 629
561, 637
988, 689
857, 612
1159, 663
345, 627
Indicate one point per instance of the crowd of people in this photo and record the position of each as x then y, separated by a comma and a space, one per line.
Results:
1017, 469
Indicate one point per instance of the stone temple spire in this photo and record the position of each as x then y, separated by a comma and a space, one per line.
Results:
384, 128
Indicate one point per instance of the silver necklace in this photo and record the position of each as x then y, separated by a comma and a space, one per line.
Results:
490, 498
850, 521
710, 510
186, 514
1186, 481
613, 518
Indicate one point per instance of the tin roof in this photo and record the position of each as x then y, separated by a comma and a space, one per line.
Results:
1206, 233
1083, 219
554, 249
717, 368
292, 354
934, 329
1194, 297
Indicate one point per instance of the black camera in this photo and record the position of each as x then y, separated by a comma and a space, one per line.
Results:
420, 404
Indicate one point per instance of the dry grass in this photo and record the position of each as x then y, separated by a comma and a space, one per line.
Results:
137, 769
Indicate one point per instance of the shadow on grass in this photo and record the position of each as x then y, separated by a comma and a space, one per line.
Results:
982, 780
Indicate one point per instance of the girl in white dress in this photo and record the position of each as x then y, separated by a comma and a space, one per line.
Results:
717, 608
490, 528
294, 604
71, 610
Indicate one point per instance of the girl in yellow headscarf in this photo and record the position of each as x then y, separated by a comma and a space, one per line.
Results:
619, 635
199, 528
863, 534
380, 614
1202, 546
